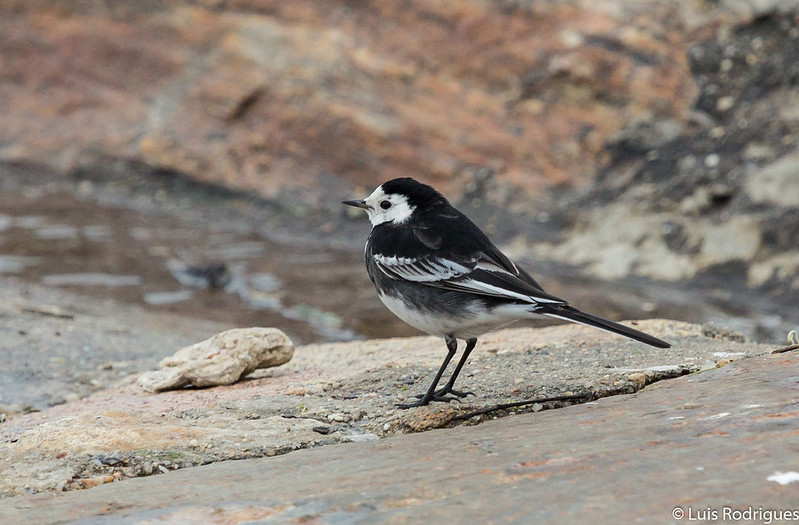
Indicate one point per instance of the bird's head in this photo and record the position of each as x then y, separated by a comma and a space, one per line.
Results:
397, 200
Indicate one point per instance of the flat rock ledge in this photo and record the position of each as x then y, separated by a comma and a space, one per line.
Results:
333, 393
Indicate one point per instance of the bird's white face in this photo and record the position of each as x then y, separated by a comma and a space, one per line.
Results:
391, 207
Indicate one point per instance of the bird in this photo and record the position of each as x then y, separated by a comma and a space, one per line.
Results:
437, 271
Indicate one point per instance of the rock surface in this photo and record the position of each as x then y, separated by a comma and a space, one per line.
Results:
295, 98
332, 393
715, 204
719, 440
220, 360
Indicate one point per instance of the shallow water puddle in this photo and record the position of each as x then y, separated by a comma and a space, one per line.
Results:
225, 273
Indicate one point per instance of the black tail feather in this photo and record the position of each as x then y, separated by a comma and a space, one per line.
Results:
576, 316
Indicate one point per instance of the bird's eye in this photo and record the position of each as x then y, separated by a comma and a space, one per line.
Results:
385, 205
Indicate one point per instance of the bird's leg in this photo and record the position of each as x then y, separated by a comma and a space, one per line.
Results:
452, 347
447, 389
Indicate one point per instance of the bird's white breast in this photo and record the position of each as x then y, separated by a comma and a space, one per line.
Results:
470, 321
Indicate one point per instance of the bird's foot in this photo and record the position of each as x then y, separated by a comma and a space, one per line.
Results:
426, 399
444, 391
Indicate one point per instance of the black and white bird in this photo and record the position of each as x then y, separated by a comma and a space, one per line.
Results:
438, 272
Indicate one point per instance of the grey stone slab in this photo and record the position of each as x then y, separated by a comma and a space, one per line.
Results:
709, 442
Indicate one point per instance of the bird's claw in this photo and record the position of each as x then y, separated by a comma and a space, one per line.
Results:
442, 392
442, 396
445, 391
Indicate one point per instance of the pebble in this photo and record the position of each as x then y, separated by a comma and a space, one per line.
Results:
712, 160
93, 482
717, 132
638, 378
338, 417
725, 103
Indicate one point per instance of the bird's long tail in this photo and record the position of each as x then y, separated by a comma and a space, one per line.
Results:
576, 316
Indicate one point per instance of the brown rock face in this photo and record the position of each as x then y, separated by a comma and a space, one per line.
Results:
277, 96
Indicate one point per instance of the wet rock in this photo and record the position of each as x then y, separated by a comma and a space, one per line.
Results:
221, 360
215, 275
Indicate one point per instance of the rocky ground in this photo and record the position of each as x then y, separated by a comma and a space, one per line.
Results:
718, 438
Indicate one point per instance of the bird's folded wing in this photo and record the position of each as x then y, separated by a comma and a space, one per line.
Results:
477, 274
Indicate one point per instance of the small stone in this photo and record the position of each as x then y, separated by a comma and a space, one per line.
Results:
712, 160
338, 417
638, 378
717, 132
726, 64
88, 483
163, 469
386, 426
111, 460
221, 360
147, 468
758, 152
725, 103
537, 407
193, 443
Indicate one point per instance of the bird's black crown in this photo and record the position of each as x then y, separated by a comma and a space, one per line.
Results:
418, 194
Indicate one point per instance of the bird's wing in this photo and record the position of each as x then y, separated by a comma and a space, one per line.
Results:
479, 274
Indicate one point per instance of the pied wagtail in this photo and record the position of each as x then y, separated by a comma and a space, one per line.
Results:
438, 272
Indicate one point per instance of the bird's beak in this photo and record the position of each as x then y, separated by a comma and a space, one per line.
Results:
357, 203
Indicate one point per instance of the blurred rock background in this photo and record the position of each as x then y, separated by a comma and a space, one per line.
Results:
648, 142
